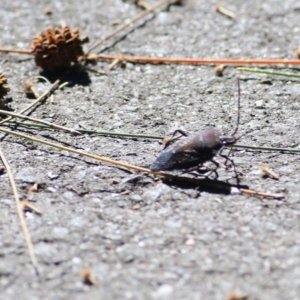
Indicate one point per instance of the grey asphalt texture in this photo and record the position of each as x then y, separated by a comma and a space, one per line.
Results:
142, 238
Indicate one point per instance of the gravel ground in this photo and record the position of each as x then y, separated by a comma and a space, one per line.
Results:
144, 239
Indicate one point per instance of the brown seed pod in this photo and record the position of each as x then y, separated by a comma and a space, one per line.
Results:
57, 49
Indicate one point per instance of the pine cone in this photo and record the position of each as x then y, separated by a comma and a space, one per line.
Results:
3, 86
57, 49
3, 91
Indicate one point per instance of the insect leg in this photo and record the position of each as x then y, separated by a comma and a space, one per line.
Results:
226, 156
214, 170
169, 141
182, 132
233, 165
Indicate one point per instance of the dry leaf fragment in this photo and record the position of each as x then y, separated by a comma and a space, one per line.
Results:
34, 188
136, 207
48, 11
88, 277
57, 49
264, 169
29, 90
27, 87
298, 53
219, 70
234, 295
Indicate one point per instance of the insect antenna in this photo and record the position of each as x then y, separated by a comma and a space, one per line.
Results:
239, 109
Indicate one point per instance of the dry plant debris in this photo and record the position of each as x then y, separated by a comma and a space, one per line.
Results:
34, 188
4, 89
26, 206
57, 49
48, 11
3, 86
234, 295
28, 89
298, 53
219, 70
88, 277
264, 169
225, 12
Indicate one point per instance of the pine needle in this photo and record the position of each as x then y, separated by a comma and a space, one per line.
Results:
21, 214
207, 183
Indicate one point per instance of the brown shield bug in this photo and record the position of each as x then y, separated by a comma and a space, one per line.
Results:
190, 152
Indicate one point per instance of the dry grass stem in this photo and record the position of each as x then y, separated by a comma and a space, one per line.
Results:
40, 99
225, 12
52, 125
130, 22
20, 213
63, 85
264, 169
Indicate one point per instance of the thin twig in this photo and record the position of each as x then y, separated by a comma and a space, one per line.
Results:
153, 137
268, 72
122, 164
194, 61
52, 125
40, 99
129, 22
20, 213
20, 51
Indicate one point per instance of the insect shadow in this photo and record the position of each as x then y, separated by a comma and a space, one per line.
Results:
204, 185
191, 151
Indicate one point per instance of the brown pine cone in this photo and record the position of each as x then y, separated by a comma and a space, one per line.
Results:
3, 86
57, 49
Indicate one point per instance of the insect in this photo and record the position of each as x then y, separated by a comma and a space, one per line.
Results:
190, 152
